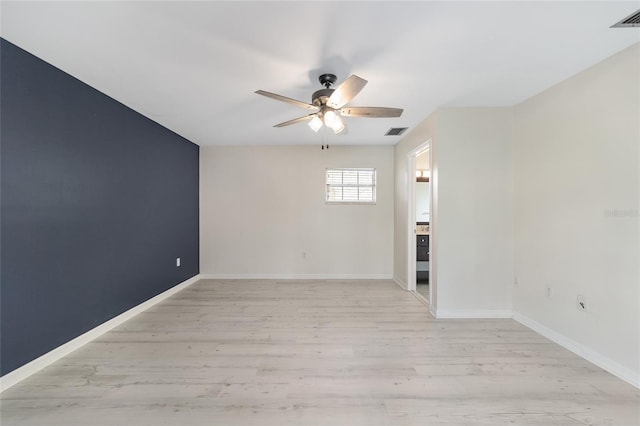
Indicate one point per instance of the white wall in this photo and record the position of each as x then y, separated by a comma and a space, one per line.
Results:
422, 161
425, 131
422, 201
576, 210
261, 208
475, 216
471, 219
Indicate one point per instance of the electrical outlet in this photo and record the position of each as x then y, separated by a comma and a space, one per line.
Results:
581, 303
548, 292
177, 262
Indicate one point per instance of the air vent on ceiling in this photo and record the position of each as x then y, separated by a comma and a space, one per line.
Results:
396, 131
630, 21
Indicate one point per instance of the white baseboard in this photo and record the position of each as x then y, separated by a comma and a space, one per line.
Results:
620, 371
472, 313
227, 276
50, 357
400, 283
432, 310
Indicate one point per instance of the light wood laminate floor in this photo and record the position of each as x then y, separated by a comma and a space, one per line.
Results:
316, 353
423, 290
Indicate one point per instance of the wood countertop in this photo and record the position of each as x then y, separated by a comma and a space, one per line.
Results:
422, 229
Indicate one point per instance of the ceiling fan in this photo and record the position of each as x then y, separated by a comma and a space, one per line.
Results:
328, 105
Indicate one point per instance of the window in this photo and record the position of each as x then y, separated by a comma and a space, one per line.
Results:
351, 186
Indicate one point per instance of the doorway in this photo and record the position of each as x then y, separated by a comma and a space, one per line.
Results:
419, 206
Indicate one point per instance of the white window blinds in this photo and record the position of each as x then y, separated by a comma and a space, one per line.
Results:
351, 185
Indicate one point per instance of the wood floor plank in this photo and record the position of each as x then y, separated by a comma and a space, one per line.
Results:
285, 352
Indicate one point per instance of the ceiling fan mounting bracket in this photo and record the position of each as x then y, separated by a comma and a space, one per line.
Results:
327, 80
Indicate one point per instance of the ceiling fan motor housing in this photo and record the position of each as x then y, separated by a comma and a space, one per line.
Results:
320, 97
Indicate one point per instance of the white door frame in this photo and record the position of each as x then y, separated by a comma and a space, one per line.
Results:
411, 215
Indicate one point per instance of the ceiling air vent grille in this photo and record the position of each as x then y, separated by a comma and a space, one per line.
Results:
395, 131
630, 21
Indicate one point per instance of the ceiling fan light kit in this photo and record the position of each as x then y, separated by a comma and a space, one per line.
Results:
328, 105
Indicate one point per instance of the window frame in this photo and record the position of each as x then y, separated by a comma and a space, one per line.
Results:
373, 186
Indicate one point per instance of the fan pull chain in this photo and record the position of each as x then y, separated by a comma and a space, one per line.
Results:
324, 138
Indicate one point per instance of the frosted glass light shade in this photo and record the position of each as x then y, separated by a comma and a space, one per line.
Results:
315, 124
333, 121
339, 126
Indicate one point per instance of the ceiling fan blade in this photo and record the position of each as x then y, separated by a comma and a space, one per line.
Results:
374, 112
287, 100
346, 91
296, 120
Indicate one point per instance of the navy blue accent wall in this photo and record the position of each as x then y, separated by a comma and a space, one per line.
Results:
97, 202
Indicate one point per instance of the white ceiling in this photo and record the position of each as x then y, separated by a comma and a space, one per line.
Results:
193, 66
